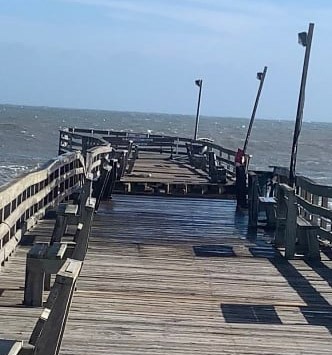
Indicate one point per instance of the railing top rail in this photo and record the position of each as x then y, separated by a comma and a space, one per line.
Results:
286, 189
305, 183
314, 187
100, 149
25, 180
136, 137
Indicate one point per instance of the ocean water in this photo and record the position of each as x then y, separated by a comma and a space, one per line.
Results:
29, 136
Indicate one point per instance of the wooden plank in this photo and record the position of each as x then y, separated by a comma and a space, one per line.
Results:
142, 290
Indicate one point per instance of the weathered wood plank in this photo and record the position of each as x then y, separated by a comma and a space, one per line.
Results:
143, 290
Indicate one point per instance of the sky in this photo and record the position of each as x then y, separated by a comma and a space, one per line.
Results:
144, 55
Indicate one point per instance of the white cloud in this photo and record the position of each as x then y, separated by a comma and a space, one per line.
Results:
218, 16
225, 42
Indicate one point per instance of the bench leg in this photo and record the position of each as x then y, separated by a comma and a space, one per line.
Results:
290, 242
47, 282
59, 229
313, 246
271, 216
279, 237
290, 232
34, 285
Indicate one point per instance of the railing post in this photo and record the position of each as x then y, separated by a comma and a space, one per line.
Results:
290, 232
241, 186
252, 200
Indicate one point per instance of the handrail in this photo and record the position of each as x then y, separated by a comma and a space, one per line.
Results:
314, 204
313, 201
25, 200
94, 157
74, 138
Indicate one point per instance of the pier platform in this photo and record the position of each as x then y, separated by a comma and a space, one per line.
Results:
159, 174
189, 278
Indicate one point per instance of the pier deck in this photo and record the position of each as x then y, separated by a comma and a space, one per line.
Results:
158, 174
142, 290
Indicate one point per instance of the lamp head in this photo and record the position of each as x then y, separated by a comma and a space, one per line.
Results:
302, 38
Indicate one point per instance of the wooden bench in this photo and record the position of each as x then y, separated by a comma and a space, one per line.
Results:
217, 172
44, 260
293, 231
197, 155
258, 203
69, 213
307, 240
268, 205
47, 334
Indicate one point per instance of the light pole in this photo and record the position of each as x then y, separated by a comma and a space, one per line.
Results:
305, 39
199, 83
261, 78
241, 164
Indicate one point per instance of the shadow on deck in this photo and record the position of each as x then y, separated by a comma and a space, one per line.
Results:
143, 289
153, 295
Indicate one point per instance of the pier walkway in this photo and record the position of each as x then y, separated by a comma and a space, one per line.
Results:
158, 174
143, 290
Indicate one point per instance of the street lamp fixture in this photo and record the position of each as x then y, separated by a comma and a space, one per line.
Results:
302, 38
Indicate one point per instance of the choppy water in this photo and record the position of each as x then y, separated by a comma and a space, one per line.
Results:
29, 136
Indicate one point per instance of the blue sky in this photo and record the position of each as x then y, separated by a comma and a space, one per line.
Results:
144, 55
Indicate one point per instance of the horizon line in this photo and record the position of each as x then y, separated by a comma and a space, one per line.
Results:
156, 113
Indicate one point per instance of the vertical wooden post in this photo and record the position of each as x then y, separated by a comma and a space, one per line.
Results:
34, 276
252, 200
315, 200
279, 240
82, 240
325, 203
241, 186
290, 233
47, 282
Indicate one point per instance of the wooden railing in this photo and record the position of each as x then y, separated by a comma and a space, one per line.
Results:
314, 202
25, 199
313, 199
305, 208
57, 257
76, 139
48, 332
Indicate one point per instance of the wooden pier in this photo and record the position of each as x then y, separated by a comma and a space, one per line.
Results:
148, 271
157, 174
162, 165
143, 290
